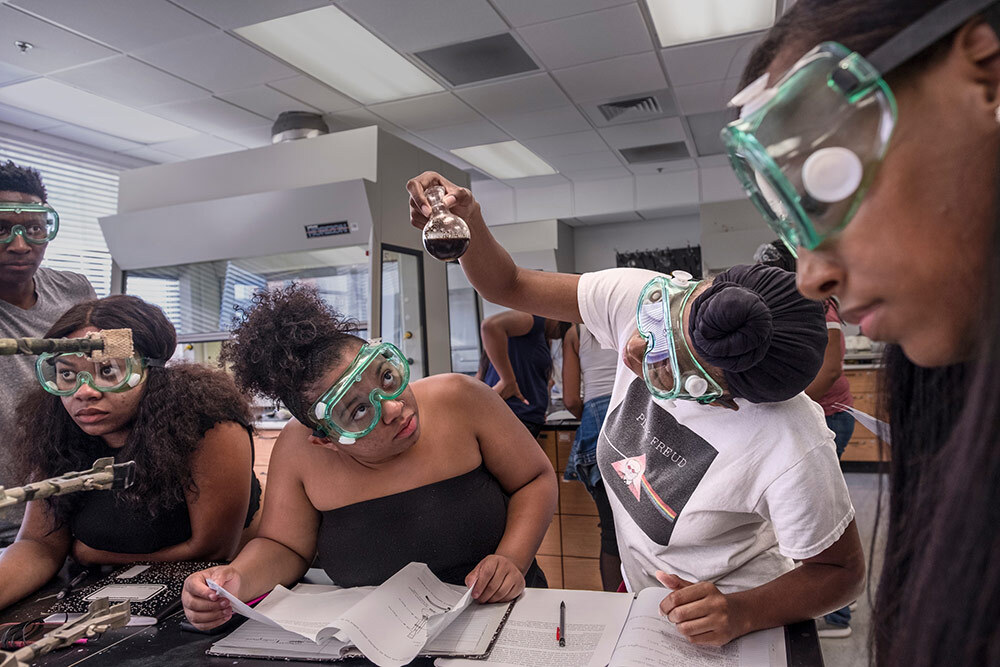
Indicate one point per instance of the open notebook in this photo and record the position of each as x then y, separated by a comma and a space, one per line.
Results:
411, 614
613, 629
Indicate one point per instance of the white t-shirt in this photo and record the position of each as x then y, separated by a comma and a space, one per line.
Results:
700, 491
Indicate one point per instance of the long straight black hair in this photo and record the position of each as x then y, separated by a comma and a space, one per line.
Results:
938, 600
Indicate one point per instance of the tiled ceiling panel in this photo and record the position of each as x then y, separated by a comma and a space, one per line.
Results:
708, 61
542, 123
130, 82
25, 119
10, 73
601, 174
428, 112
704, 97
314, 94
585, 38
121, 24
92, 138
238, 13
218, 62
208, 114
526, 12
200, 146
617, 77
55, 48
251, 137
479, 60
596, 160
574, 143
466, 134
705, 128
265, 101
415, 25
531, 93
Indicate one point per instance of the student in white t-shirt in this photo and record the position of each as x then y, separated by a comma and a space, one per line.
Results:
712, 501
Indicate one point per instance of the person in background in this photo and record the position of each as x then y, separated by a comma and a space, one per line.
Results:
31, 298
715, 495
520, 362
376, 472
832, 391
586, 363
186, 426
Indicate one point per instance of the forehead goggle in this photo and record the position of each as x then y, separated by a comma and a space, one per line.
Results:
64, 374
35, 223
669, 368
807, 148
352, 407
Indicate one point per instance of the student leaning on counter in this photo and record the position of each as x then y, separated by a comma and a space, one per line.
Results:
376, 472
715, 493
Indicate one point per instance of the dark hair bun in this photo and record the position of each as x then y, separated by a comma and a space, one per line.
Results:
731, 327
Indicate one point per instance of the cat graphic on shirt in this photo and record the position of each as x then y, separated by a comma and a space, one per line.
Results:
650, 462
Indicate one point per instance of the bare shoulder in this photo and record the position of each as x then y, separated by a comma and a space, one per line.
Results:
454, 387
225, 438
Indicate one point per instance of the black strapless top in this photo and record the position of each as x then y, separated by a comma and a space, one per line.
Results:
102, 520
450, 525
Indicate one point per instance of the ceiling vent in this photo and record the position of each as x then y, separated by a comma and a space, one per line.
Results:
655, 153
635, 109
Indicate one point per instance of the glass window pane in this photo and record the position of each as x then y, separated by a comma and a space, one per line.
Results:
402, 323
464, 320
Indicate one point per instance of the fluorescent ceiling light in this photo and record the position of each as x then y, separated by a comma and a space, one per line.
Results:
507, 159
684, 21
74, 106
335, 49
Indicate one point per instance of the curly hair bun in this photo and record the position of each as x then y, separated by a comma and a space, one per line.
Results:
731, 327
284, 341
768, 339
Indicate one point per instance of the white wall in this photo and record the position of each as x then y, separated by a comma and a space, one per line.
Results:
731, 232
596, 244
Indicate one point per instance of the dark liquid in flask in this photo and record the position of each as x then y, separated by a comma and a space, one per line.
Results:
446, 248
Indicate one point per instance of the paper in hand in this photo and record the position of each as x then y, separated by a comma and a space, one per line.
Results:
239, 606
873, 424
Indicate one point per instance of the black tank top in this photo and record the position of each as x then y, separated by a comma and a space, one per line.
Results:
104, 521
450, 525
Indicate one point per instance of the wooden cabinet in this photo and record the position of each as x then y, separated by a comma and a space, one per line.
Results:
569, 554
864, 445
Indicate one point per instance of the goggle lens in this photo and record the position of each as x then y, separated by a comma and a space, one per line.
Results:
64, 374
35, 223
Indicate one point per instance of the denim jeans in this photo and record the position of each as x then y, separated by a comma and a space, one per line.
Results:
842, 425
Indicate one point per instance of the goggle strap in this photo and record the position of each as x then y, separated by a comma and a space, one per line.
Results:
928, 29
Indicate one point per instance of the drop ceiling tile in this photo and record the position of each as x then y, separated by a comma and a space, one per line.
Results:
207, 115
250, 137
151, 154
218, 62
575, 163
11, 74
526, 12
92, 138
713, 161
415, 25
659, 131
709, 61
130, 82
618, 77
535, 182
574, 143
595, 174
265, 101
121, 24
352, 118
530, 93
27, 119
196, 147
238, 13
428, 112
466, 134
663, 167
705, 97
589, 37
609, 218
314, 94
542, 202
605, 196
542, 123
55, 48
705, 128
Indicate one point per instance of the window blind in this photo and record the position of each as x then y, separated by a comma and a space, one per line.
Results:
81, 190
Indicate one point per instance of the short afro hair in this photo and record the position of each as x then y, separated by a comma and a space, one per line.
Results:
21, 179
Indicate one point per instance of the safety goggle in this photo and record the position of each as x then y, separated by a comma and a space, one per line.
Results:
35, 223
669, 368
64, 374
806, 149
352, 407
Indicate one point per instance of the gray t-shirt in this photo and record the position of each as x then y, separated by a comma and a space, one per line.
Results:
56, 291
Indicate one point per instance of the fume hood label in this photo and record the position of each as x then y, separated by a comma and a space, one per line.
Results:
330, 229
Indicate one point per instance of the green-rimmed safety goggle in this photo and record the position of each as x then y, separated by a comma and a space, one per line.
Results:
64, 374
352, 407
807, 148
669, 368
35, 223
